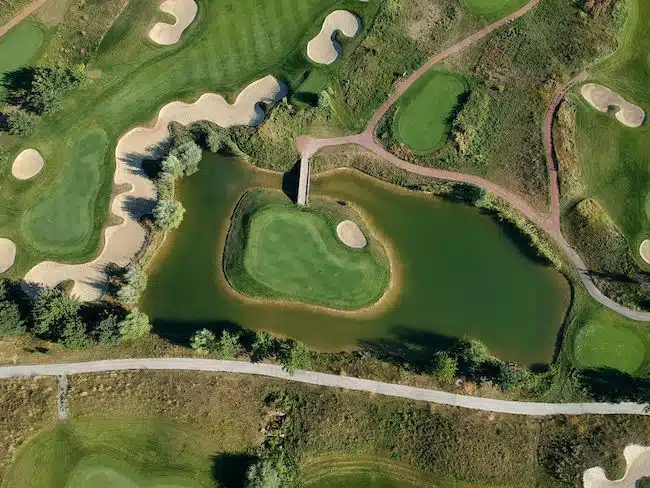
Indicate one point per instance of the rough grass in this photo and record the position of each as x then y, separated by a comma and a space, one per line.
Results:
425, 111
279, 251
9, 8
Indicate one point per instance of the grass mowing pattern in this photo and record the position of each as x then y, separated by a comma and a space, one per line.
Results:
426, 109
63, 220
19, 47
121, 453
281, 251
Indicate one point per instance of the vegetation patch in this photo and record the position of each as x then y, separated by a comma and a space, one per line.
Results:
606, 345
426, 110
277, 250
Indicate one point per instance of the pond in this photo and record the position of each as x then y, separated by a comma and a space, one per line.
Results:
462, 273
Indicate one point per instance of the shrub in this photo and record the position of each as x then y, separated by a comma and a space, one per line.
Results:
444, 366
263, 346
20, 122
135, 325
294, 355
228, 346
204, 341
168, 214
262, 474
135, 282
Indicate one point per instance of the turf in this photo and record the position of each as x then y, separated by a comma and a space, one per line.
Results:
610, 341
120, 453
426, 109
62, 221
615, 159
493, 9
19, 47
292, 253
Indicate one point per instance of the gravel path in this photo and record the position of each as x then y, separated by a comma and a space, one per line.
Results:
24, 13
322, 379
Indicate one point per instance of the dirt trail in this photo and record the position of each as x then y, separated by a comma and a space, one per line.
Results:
24, 13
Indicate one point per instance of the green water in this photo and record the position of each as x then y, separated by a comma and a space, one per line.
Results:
463, 273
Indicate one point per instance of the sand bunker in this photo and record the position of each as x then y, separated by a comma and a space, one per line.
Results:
323, 49
638, 466
350, 235
123, 241
644, 250
27, 164
168, 34
7, 254
602, 98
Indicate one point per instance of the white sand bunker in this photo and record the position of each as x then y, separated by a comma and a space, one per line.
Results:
27, 164
350, 235
168, 34
7, 254
638, 466
123, 241
644, 250
323, 49
602, 98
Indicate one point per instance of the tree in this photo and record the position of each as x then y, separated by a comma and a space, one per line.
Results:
53, 311
508, 376
108, 330
11, 320
262, 474
20, 123
49, 84
204, 341
228, 346
444, 366
135, 282
172, 166
474, 353
74, 334
168, 214
263, 346
189, 154
294, 355
134, 326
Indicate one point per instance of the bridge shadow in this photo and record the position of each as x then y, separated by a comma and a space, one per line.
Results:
290, 182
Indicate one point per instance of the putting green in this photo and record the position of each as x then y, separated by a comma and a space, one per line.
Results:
19, 47
601, 344
491, 9
62, 222
123, 453
292, 253
425, 110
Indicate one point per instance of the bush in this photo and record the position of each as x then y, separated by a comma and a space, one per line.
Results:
228, 346
204, 341
262, 474
134, 326
20, 122
263, 346
444, 366
294, 355
135, 282
168, 214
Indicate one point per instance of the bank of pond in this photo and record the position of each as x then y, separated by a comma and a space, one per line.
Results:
458, 272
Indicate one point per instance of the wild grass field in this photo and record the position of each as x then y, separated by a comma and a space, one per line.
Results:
277, 250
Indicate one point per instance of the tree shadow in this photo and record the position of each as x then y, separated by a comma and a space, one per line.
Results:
138, 207
229, 470
18, 83
611, 385
181, 331
290, 183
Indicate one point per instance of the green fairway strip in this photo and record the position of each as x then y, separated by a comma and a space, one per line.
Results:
425, 110
493, 9
19, 47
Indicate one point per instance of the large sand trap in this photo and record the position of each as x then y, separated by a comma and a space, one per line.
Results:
323, 49
7, 254
350, 235
637, 459
602, 98
644, 250
27, 164
168, 34
123, 241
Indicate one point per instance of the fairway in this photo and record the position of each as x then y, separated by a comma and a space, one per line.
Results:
62, 222
122, 453
19, 47
425, 110
293, 253
493, 9
605, 342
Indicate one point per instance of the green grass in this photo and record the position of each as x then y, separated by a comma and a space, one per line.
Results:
493, 9
20, 47
62, 221
426, 110
120, 453
223, 50
280, 251
616, 159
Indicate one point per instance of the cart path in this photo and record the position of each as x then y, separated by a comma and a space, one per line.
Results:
20, 16
329, 380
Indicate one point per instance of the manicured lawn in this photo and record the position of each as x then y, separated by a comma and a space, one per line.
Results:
120, 453
493, 9
62, 222
616, 159
425, 110
19, 47
292, 253
610, 341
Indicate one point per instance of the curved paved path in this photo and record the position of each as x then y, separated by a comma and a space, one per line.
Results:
24, 13
322, 379
308, 146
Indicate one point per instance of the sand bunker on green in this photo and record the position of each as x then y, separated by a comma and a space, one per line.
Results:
424, 112
277, 250
607, 345
27, 164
